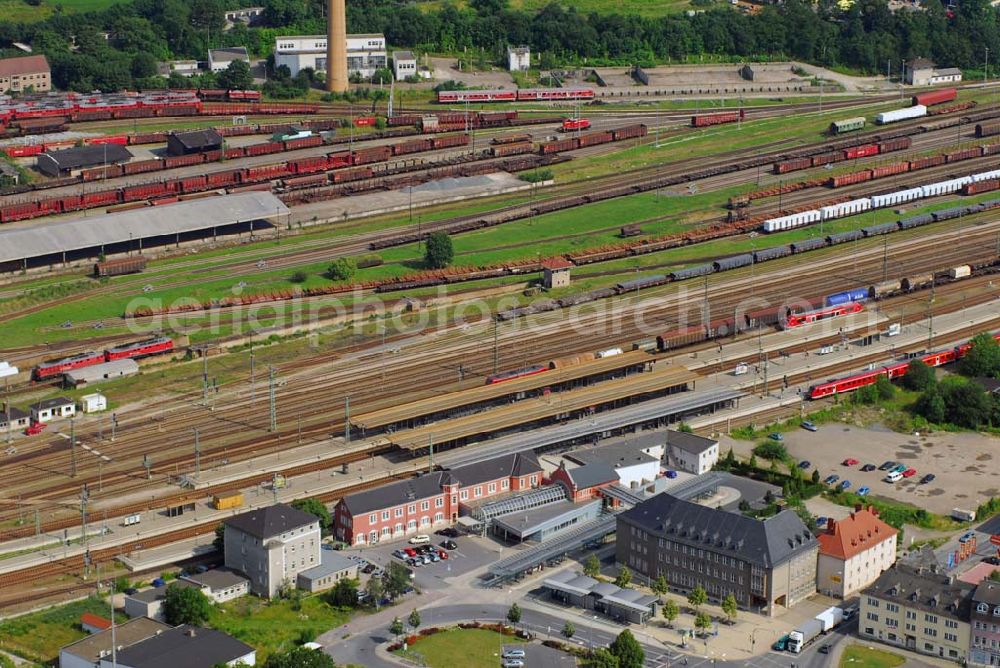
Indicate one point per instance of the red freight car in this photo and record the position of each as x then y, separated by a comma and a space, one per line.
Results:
148, 138
144, 191
308, 165
595, 138
193, 184
897, 144
120, 266
827, 158
980, 187
415, 146
448, 141
21, 211
101, 198
47, 206
305, 181
991, 149
502, 150
890, 170
356, 174
121, 140
223, 178
558, 146
988, 129
213, 156
935, 97
374, 154
705, 120
573, 124
234, 152
630, 132
792, 165
338, 160
364, 121
98, 173
70, 203
169, 199
862, 151
305, 142
926, 161
266, 173
141, 166
850, 179
265, 148
964, 154
170, 162
255, 187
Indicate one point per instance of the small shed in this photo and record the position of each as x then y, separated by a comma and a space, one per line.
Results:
219, 59
556, 273
404, 63
93, 403
195, 141
50, 409
17, 419
290, 132
61, 163
92, 623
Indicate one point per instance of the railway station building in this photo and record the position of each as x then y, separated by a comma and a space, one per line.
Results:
575, 588
768, 565
417, 505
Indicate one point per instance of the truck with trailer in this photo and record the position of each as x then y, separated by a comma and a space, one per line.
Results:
811, 629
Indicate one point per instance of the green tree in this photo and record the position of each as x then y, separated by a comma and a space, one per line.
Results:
628, 650
884, 389
298, 276
568, 630
670, 611
702, 622
299, 657
317, 508
414, 619
342, 269
930, 405
730, 607
185, 605
603, 658
866, 395
919, 377
730, 458
697, 597
514, 614
438, 252
592, 566
983, 357
219, 542
753, 461
236, 76
966, 404
375, 590
815, 476
624, 579
771, 450
660, 586
396, 580
344, 594
396, 627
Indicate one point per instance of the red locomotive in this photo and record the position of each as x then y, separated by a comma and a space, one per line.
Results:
57, 367
138, 350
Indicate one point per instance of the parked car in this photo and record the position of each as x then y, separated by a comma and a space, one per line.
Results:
447, 532
131, 591
893, 476
670, 473
513, 653
399, 554
449, 545
830, 479
899, 467
775, 436
910, 472
512, 663
863, 491
887, 465
804, 464
808, 426
850, 461
844, 484
781, 644
927, 478
369, 568
992, 561
443, 554
824, 649
820, 521
420, 539
868, 467
410, 552
427, 558
34, 428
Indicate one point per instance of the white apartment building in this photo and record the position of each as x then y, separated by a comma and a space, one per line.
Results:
854, 552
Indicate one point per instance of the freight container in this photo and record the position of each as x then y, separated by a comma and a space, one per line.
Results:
308, 165
101, 198
100, 173
70, 203
898, 197
265, 173
141, 166
20, 211
365, 156
192, 184
557, 146
845, 208
174, 161
305, 142
415, 146
213, 156
595, 138
705, 120
855, 295
235, 152
963, 271
227, 501
47, 206
121, 140
935, 97
144, 191
629, 132
264, 148
980, 187
338, 160
827, 158
896, 115
364, 121
447, 141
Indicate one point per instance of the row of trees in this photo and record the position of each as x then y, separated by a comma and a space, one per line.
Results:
866, 37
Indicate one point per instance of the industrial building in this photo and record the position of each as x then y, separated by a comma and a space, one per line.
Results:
70, 160
271, 546
194, 141
919, 607
220, 59
365, 53
766, 564
582, 591
404, 64
406, 507
26, 72
691, 453
854, 552
87, 652
97, 373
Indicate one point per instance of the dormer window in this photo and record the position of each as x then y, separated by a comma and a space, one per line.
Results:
982, 607
996, 611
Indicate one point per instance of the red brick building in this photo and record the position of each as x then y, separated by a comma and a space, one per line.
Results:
584, 482
432, 500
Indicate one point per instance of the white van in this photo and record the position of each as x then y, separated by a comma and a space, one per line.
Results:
894, 476
420, 539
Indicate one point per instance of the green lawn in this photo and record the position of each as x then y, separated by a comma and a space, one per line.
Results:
468, 648
39, 636
860, 656
20, 11
270, 626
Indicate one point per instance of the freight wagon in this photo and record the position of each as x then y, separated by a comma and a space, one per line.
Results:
120, 266
847, 125
705, 120
934, 97
897, 115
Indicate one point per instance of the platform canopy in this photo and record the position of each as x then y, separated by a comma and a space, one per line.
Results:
43, 239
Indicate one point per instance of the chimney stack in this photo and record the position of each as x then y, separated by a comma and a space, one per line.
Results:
336, 46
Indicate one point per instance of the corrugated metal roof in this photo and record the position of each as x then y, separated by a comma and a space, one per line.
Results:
111, 228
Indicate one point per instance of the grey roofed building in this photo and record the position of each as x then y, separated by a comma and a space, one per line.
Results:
689, 442
406, 491
592, 475
93, 647
54, 238
99, 372
47, 404
270, 521
193, 141
622, 453
333, 567
18, 417
216, 578
187, 646
924, 589
765, 543
55, 163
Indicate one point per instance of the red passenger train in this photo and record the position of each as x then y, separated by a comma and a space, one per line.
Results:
799, 319
890, 371
519, 95
137, 350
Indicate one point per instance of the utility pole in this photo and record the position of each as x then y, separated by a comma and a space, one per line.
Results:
430, 459
204, 376
496, 349
930, 318
84, 496
347, 419
885, 259
253, 391
72, 445
114, 426
270, 392
148, 465
197, 453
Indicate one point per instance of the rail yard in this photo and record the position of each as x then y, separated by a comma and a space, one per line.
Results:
186, 333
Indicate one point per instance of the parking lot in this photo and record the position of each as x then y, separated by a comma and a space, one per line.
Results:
960, 462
